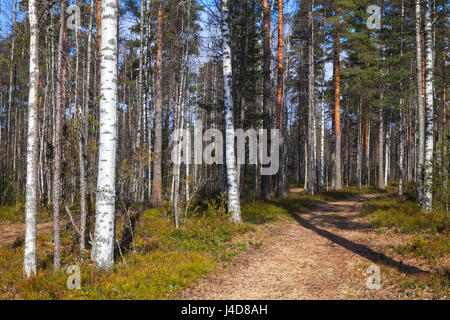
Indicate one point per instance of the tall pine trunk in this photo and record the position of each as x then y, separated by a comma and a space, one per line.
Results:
311, 100
400, 129
281, 176
265, 179
337, 106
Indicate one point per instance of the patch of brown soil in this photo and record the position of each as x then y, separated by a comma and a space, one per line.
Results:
12, 232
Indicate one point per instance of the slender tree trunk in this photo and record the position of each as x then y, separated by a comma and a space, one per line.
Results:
359, 145
234, 206
322, 139
420, 108
265, 179
444, 123
400, 129
280, 190
103, 248
84, 136
148, 96
381, 143
381, 178
59, 114
429, 143
29, 261
387, 153
11, 82
337, 107
311, 100
156, 198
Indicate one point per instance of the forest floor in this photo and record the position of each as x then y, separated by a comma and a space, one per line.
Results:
324, 253
303, 247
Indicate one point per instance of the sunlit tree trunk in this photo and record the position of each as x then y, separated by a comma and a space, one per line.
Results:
429, 142
311, 100
234, 206
83, 134
156, 198
420, 109
337, 104
359, 145
368, 149
29, 261
148, 100
59, 114
280, 191
11, 73
444, 122
103, 248
265, 179
400, 129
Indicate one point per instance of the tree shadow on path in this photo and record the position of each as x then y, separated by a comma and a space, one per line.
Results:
359, 249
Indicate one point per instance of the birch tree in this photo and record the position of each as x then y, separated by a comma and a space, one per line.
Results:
29, 261
103, 248
234, 206
429, 138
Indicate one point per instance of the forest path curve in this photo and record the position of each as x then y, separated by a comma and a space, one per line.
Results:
312, 257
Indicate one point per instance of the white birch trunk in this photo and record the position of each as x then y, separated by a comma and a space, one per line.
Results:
387, 152
103, 248
428, 161
234, 206
29, 261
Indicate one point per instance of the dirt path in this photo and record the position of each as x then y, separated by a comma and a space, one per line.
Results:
313, 257
10, 233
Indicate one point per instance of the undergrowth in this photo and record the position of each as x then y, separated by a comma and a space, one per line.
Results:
404, 215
